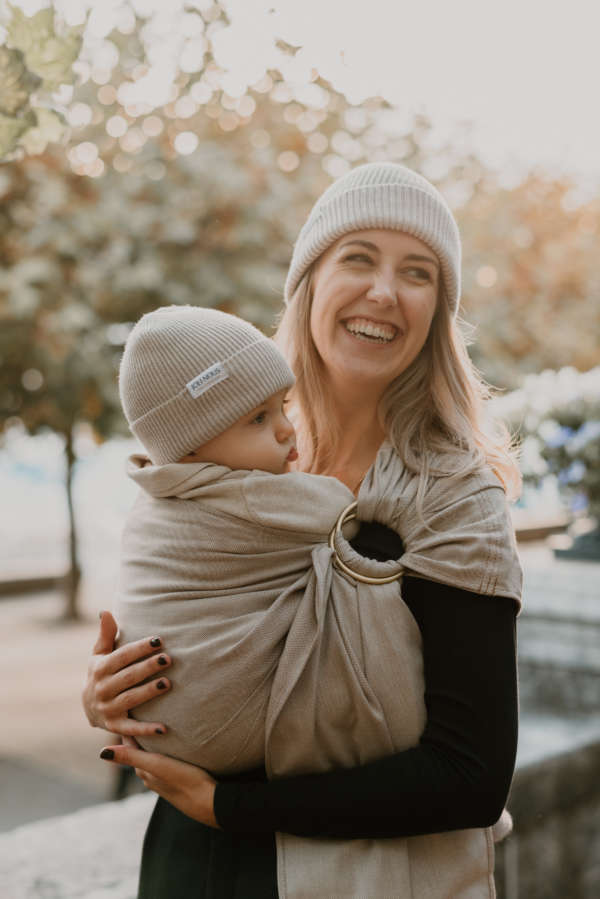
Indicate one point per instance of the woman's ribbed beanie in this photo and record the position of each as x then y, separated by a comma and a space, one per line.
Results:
380, 195
188, 373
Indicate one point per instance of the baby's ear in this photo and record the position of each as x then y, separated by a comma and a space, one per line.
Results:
191, 456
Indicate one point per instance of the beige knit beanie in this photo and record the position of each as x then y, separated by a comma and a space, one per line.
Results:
189, 373
380, 195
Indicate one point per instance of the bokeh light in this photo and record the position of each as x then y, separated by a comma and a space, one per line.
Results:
228, 121
486, 276
32, 379
116, 126
133, 140
153, 126
79, 115
186, 142
107, 95
260, 139
317, 142
288, 161
185, 108
335, 166
201, 92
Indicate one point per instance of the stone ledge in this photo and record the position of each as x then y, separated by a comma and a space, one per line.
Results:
554, 849
95, 853
555, 785
91, 854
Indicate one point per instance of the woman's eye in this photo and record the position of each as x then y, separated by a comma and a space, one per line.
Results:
357, 257
420, 273
259, 419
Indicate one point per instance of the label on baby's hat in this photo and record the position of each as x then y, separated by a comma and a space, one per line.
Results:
207, 379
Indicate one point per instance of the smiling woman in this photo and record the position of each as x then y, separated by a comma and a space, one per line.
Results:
387, 401
372, 308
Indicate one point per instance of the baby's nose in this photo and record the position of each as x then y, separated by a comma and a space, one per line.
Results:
285, 429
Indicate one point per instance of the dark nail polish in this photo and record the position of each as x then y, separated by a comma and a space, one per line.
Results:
162, 661
154, 642
107, 754
161, 685
159, 731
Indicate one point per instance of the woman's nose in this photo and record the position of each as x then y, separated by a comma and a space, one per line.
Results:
383, 289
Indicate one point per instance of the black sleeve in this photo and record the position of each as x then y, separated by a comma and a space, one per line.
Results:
459, 774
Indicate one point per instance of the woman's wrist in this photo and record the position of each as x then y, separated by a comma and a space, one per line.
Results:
187, 787
210, 817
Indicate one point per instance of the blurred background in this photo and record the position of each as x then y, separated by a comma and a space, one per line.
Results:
160, 153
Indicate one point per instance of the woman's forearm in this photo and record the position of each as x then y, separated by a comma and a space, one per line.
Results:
457, 777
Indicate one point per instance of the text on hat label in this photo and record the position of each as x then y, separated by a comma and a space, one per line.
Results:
207, 379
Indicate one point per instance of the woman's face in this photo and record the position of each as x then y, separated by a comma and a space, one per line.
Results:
374, 297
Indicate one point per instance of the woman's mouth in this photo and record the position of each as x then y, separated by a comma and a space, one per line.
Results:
292, 455
372, 332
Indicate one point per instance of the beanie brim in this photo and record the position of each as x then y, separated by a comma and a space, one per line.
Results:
394, 206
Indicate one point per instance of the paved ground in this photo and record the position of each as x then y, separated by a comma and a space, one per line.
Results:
49, 755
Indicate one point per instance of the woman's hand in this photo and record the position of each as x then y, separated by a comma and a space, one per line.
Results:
114, 681
188, 788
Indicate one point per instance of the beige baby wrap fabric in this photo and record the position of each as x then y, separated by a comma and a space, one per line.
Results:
283, 659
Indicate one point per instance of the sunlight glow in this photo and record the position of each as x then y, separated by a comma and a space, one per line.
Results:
447, 61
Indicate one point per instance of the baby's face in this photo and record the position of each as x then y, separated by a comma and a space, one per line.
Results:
263, 439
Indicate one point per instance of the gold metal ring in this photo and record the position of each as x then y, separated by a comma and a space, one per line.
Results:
349, 514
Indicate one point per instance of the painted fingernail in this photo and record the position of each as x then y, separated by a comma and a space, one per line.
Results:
159, 731
155, 641
107, 754
162, 661
161, 685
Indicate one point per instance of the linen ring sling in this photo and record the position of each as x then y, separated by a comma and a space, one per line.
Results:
284, 658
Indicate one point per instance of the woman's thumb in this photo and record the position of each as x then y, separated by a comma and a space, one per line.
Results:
106, 638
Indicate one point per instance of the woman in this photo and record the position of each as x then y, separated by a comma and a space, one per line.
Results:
370, 332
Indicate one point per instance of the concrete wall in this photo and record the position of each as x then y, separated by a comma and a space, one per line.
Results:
554, 850
91, 854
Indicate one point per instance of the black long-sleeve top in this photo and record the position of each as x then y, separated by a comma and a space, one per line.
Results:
457, 777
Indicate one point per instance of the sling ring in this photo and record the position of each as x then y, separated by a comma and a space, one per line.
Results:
349, 514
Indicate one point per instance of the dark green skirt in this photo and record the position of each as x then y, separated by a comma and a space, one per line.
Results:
183, 859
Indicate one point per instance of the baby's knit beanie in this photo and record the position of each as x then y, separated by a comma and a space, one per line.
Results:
189, 373
380, 195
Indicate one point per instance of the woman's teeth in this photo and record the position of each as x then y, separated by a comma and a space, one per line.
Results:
362, 327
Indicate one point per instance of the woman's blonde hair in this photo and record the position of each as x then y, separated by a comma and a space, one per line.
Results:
434, 413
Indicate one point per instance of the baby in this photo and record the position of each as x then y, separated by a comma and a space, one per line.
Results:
283, 657
199, 385
226, 554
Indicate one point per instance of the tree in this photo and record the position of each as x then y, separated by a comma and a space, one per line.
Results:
57, 362
531, 281
128, 219
36, 60
197, 195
